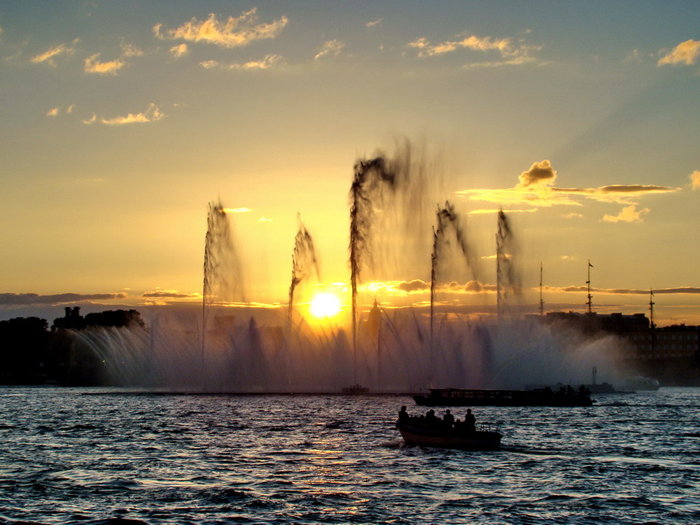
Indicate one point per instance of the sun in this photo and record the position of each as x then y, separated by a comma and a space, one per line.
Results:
325, 304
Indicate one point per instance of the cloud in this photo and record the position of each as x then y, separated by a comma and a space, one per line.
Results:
11, 299
692, 290
695, 179
267, 62
93, 65
686, 53
510, 52
264, 219
234, 32
374, 23
418, 286
56, 51
53, 112
170, 294
237, 210
536, 188
329, 48
627, 214
151, 114
130, 50
180, 50
539, 174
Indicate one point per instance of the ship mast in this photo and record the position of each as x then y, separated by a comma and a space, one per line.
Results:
651, 307
588, 282
541, 299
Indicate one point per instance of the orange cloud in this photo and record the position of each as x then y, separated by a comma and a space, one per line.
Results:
53, 52
110, 67
535, 188
234, 32
329, 48
695, 179
151, 114
627, 214
686, 53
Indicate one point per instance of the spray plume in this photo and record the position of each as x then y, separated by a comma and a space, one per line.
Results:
304, 261
508, 281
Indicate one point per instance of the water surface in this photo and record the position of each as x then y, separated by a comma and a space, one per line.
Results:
89, 456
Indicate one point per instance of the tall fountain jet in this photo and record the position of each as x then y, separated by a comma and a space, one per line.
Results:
372, 178
304, 262
448, 226
223, 279
507, 278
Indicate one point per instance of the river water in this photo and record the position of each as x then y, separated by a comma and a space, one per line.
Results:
100, 456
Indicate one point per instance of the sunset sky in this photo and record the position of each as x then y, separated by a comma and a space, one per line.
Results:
121, 121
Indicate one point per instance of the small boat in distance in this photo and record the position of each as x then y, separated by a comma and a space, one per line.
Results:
564, 397
441, 437
354, 390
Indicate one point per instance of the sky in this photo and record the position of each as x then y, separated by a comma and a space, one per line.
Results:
122, 121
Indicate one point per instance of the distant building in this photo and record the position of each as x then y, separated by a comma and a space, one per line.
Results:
670, 354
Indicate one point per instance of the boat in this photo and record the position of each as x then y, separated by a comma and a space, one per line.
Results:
564, 397
354, 390
442, 437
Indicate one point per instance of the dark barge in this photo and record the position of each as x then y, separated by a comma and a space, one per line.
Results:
545, 397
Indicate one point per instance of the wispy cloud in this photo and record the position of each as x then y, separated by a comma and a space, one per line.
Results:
170, 294
374, 23
7, 299
92, 64
625, 291
233, 32
695, 180
237, 210
59, 50
686, 53
267, 62
627, 214
418, 286
510, 52
55, 112
329, 48
180, 50
151, 114
536, 188
130, 50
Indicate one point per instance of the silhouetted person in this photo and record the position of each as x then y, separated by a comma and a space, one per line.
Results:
403, 415
430, 418
448, 419
470, 421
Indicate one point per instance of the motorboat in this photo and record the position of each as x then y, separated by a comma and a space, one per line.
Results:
415, 433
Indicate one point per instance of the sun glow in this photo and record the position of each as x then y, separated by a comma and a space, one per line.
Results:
325, 304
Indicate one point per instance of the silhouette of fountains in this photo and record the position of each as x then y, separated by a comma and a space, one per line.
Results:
448, 227
304, 261
223, 280
372, 179
507, 278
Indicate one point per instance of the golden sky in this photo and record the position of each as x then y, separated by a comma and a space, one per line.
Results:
121, 121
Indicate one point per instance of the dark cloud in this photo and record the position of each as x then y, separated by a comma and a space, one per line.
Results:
540, 173
170, 295
413, 286
8, 299
630, 291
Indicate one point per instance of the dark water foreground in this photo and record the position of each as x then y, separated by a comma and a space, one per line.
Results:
73, 458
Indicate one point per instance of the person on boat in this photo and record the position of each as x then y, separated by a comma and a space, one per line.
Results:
403, 415
448, 419
430, 418
470, 421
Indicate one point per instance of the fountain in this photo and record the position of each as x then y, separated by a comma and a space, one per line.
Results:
239, 347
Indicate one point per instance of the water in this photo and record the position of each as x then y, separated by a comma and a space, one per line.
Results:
68, 457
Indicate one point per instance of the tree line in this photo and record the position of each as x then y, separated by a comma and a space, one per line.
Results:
32, 353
